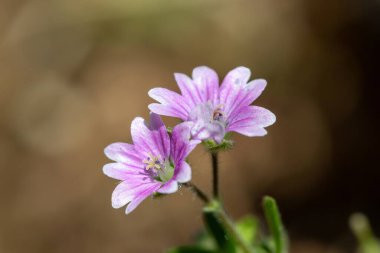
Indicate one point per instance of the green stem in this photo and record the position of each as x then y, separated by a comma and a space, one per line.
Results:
198, 192
215, 176
230, 227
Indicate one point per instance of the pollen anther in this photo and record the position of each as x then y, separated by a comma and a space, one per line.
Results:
153, 162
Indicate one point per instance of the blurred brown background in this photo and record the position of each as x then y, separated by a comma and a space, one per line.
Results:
73, 75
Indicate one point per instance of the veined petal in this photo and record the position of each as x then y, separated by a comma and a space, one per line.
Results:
232, 84
167, 110
203, 87
174, 104
206, 81
244, 96
183, 173
169, 187
255, 88
159, 134
150, 141
123, 152
125, 192
123, 172
188, 89
181, 145
237, 76
140, 197
251, 120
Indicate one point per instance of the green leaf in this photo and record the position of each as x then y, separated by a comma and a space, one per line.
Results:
217, 230
204, 240
191, 249
247, 227
261, 249
273, 218
360, 226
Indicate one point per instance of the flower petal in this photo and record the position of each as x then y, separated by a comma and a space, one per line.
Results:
126, 192
152, 140
188, 89
207, 83
232, 84
255, 87
238, 76
123, 172
140, 197
244, 96
202, 88
156, 123
183, 173
174, 104
159, 134
208, 130
181, 145
235, 93
251, 120
166, 110
169, 187
124, 153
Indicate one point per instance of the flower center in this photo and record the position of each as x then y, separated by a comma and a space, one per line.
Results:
218, 113
161, 170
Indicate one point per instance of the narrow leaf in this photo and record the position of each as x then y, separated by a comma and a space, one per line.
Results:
273, 218
363, 232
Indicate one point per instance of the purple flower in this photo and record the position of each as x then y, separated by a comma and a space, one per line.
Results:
154, 163
215, 110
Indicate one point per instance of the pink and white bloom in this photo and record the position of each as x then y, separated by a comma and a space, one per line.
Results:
215, 110
155, 162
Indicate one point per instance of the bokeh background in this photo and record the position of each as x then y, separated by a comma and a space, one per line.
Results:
73, 75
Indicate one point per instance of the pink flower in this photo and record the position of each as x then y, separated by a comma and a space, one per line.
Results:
215, 110
155, 162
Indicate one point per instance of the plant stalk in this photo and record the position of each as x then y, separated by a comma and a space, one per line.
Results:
198, 192
215, 175
230, 227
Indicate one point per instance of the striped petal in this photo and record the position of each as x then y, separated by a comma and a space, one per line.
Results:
251, 120
124, 172
171, 103
151, 139
126, 192
181, 145
123, 153
203, 87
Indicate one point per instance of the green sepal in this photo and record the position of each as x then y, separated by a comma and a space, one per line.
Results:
157, 195
212, 146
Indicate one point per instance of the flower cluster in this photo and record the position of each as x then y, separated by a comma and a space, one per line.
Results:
156, 161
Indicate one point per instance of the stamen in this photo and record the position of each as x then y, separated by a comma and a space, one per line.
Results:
161, 170
153, 162
218, 113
